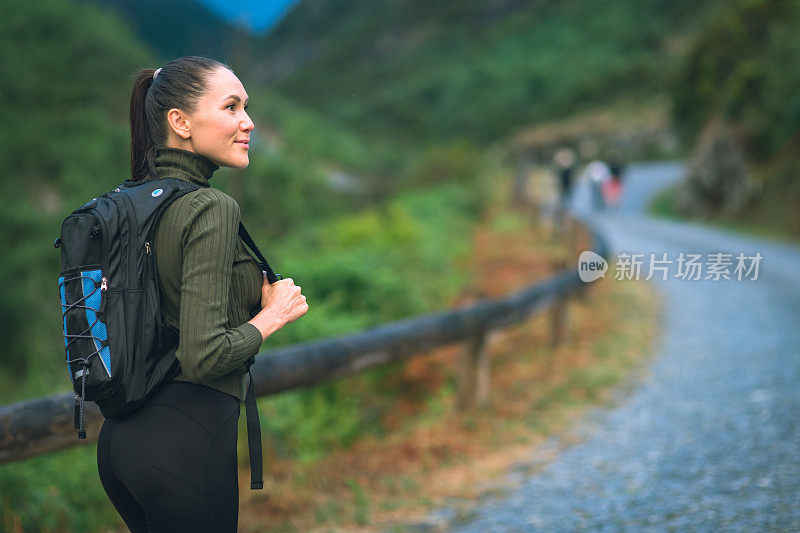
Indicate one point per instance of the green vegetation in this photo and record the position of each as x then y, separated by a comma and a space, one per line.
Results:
368, 168
198, 31
663, 204
63, 137
363, 258
743, 69
55, 492
421, 72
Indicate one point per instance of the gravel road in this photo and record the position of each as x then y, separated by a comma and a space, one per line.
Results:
709, 438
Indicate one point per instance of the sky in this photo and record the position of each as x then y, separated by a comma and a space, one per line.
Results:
257, 15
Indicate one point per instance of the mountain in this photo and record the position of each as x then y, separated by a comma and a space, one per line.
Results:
422, 70
174, 28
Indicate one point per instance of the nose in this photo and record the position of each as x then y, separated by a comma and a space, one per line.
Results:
247, 125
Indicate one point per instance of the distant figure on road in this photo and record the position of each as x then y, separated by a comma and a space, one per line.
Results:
598, 174
613, 187
564, 165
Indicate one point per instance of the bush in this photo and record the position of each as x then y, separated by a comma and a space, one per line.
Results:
716, 180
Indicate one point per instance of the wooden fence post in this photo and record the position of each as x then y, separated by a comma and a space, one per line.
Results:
583, 288
559, 222
473, 383
558, 314
521, 194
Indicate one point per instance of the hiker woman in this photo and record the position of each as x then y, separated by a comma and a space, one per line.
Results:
171, 465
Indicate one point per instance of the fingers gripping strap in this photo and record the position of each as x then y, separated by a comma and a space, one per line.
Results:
253, 437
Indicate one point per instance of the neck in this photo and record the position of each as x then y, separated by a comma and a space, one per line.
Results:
179, 143
184, 164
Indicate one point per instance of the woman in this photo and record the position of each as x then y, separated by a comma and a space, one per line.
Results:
172, 464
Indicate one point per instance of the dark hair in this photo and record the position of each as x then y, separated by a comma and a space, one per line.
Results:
179, 84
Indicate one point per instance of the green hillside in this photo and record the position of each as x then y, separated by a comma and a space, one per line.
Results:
743, 70
744, 67
422, 71
174, 28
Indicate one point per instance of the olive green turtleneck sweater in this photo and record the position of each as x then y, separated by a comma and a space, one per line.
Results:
210, 285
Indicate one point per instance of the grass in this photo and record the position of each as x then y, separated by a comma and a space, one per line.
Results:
772, 217
434, 454
663, 204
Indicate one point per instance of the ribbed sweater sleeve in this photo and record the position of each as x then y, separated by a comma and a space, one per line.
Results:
207, 348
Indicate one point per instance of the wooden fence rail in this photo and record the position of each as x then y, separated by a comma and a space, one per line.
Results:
43, 425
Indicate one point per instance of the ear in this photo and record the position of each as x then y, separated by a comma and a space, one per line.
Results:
179, 123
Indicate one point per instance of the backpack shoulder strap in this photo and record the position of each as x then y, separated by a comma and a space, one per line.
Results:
248, 240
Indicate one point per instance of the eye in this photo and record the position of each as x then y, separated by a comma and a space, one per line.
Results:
232, 105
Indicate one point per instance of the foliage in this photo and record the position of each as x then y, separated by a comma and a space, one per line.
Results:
378, 265
716, 178
401, 93
745, 68
200, 31
293, 128
56, 492
62, 130
473, 69
63, 136
65, 78
361, 271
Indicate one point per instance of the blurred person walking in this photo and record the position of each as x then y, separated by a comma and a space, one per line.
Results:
612, 189
564, 166
598, 174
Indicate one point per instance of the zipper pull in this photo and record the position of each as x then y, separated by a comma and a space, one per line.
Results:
103, 292
147, 247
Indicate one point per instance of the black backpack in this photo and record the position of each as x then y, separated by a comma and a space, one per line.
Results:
118, 351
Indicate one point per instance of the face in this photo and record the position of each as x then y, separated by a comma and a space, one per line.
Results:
220, 127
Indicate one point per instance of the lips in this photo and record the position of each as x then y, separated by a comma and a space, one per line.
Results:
245, 143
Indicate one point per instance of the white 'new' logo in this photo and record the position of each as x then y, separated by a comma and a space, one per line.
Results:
591, 266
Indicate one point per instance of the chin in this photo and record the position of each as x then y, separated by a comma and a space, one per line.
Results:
237, 162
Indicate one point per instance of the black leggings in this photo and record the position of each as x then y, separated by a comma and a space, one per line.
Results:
171, 465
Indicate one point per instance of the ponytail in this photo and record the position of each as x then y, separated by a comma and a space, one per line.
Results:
142, 146
178, 84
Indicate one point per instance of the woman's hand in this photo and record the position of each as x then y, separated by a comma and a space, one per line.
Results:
281, 304
284, 299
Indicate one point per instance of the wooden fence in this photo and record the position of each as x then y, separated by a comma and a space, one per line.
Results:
43, 425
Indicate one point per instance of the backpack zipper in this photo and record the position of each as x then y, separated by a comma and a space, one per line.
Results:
104, 266
103, 290
133, 238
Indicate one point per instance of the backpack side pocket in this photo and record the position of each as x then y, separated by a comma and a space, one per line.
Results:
83, 298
